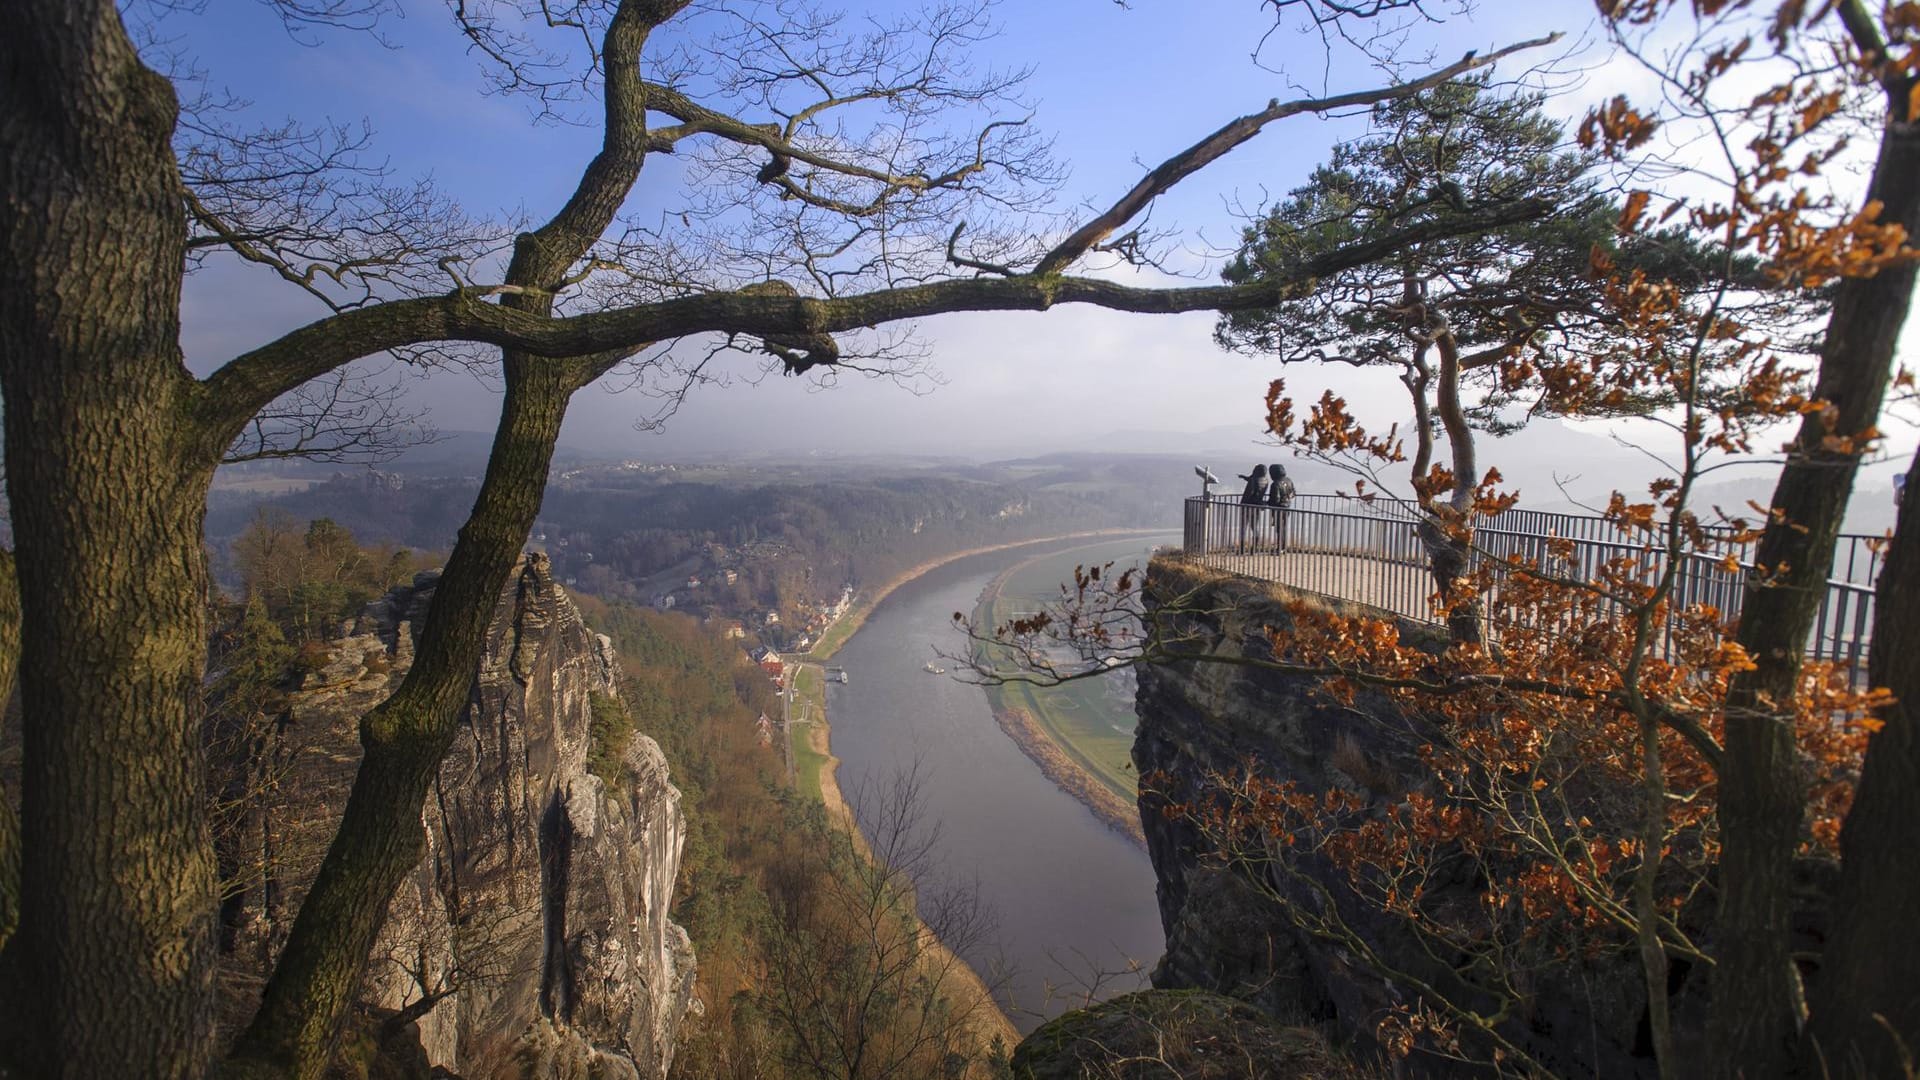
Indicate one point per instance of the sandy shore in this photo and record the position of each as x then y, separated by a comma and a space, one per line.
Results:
1069, 776
1115, 811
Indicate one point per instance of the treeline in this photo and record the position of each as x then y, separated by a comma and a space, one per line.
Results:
307, 576
811, 962
423, 515
788, 543
791, 545
863, 532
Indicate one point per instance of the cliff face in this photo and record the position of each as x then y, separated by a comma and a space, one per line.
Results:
533, 938
1199, 721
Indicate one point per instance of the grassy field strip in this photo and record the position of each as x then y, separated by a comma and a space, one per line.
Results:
812, 762
1093, 745
1077, 716
1068, 731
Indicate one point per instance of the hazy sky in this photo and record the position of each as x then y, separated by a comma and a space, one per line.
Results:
1121, 88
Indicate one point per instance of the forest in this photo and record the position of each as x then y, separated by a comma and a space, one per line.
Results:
793, 537
1702, 225
811, 958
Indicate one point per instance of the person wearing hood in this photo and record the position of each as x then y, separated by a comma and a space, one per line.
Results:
1279, 497
1251, 496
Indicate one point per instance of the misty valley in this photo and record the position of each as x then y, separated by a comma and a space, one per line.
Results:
714, 583
959, 540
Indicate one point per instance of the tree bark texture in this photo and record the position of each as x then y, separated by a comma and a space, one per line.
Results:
404, 739
116, 941
9, 819
1866, 1014
1756, 1005
1450, 554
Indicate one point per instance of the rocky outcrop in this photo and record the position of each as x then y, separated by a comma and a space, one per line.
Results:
533, 937
1199, 721
1191, 1034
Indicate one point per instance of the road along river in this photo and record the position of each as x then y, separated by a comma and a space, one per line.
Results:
1074, 899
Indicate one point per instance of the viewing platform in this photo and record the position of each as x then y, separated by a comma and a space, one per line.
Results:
1370, 553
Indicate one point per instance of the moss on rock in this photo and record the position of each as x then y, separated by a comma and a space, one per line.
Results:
1168, 1034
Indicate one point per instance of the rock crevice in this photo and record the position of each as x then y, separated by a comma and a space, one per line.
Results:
539, 910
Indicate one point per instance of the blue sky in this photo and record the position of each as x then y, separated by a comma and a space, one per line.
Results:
1120, 88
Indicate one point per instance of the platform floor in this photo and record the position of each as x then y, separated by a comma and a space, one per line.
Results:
1392, 587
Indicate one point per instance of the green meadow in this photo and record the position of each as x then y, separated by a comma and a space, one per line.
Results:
1090, 719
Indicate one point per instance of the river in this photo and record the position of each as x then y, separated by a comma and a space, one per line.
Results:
1072, 897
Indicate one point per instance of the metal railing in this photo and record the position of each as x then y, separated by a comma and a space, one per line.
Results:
1856, 557
1371, 554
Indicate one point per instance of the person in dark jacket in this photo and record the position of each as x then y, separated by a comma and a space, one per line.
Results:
1279, 497
1251, 496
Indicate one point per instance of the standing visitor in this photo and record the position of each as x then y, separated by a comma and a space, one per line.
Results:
1252, 497
1279, 497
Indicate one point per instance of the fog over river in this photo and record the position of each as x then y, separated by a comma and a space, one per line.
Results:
1071, 895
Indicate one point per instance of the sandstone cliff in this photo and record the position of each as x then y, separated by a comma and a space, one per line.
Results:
1200, 720
533, 938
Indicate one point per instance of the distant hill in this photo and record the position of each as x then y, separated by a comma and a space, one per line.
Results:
450, 453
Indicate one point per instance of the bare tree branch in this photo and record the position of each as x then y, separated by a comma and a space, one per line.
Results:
1217, 145
346, 416
232, 394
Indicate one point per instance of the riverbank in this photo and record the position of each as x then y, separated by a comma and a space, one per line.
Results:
843, 628
817, 768
1067, 774
1016, 708
1074, 900
987, 1021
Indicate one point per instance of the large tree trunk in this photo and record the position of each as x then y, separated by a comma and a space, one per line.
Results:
404, 739
1756, 1008
9, 820
1866, 1011
113, 959
1448, 534
379, 838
